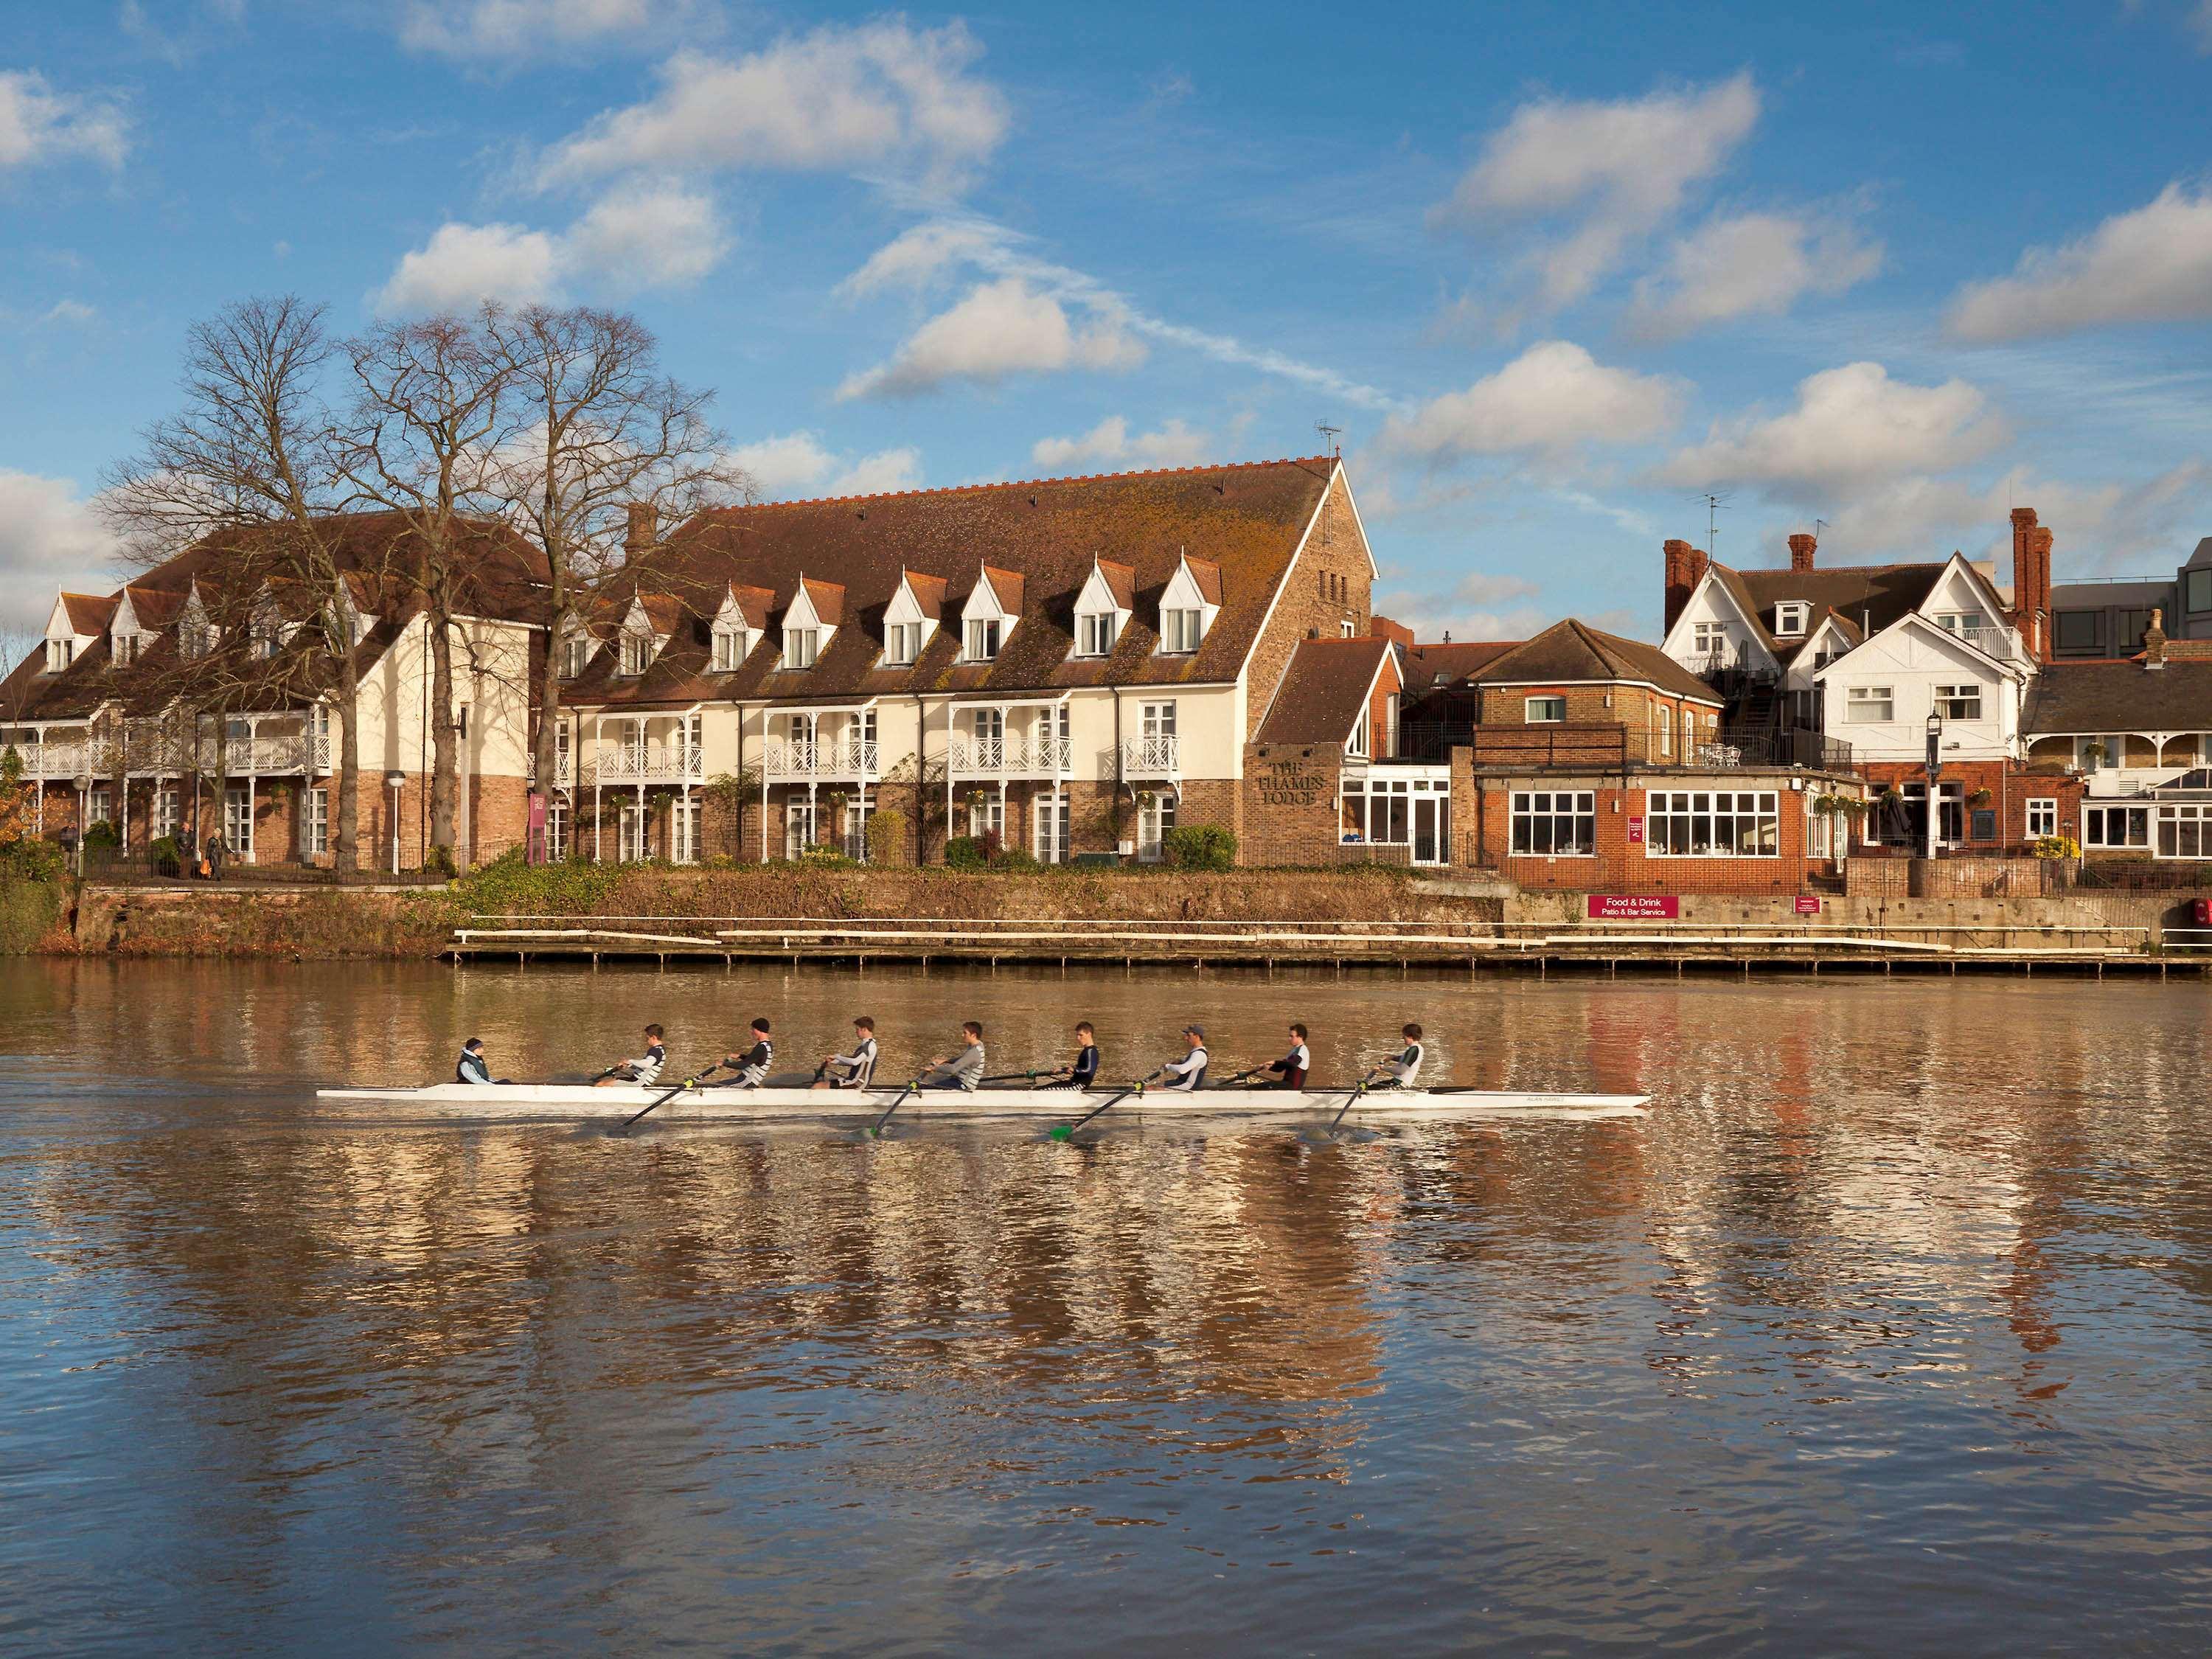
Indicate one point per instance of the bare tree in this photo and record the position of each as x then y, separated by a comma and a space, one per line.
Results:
253, 450
607, 450
428, 419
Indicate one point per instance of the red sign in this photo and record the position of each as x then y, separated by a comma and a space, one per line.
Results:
1636, 829
1809, 904
1634, 906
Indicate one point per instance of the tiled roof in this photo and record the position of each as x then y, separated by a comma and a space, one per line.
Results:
1871, 596
1323, 691
2120, 696
928, 592
1207, 575
827, 599
1006, 588
1570, 651
1120, 582
1454, 661
89, 613
1246, 521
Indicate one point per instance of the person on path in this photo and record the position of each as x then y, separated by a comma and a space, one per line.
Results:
644, 1069
963, 1071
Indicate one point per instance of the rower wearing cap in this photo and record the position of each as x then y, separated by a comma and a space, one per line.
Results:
1295, 1064
1189, 1073
474, 1065
1402, 1068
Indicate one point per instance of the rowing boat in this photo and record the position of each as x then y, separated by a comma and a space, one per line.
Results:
711, 1104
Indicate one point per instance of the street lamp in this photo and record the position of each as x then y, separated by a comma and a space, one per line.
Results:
395, 781
1935, 772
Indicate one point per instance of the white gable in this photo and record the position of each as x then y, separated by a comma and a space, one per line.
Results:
1712, 603
126, 617
1098, 596
1879, 698
58, 625
904, 607
983, 602
800, 613
1183, 593
731, 615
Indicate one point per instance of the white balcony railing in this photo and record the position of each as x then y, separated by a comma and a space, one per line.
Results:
833, 758
978, 757
1150, 757
1011, 757
272, 756
650, 763
52, 760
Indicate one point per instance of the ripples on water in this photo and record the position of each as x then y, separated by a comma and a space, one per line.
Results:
1886, 1332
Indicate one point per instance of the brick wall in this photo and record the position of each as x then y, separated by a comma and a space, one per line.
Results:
2010, 786
1327, 585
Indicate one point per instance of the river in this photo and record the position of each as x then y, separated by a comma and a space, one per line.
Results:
1886, 1332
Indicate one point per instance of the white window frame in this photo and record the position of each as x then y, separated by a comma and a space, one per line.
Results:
1792, 618
987, 815
556, 828
1552, 824
99, 806
685, 814
1820, 829
168, 815
2182, 829
2114, 745
1858, 699
1531, 716
575, 653
1051, 827
731, 646
1096, 633
981, 637
1960, 702
1709, 639
1156, 720
1357, 744
238, 821
1183, 631
1711, 823
636, 653
801, 647
2042, 815
1154, 820
902, 644
2099, 817
60, 653
315, 822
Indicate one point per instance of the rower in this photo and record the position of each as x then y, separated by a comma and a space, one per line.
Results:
646, 1067
1400, 1071
851, 1071
961, 1071
1187, 1074
1295, 1064
1084, 1072
474, 1067
751, 1066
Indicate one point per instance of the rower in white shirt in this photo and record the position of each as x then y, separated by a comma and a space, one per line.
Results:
1403, 1069
1187, 1074
852, 1071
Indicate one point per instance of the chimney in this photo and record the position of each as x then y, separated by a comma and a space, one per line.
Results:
644, 528
2031, 582
1801, 552
1677, 580
2154, 641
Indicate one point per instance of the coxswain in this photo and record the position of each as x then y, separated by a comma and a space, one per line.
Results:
1400, 1071
646, 1067
1084, 1072
854, 1070
474, 1067
961, 1071
751, 1066
1189, 1073
1293, 1066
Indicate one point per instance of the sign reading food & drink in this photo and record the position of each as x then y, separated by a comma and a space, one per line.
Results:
1634, 906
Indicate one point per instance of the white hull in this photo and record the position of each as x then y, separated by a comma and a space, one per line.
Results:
708, 1104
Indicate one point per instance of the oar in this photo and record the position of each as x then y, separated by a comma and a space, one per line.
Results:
1348, 1099
691, 1082
1009, 1077
876, 1129
1239, 1077
1063, 1131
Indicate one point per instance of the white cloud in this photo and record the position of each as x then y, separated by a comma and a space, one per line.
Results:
2152, 264
519, 29
1853, 428
798, 463
1754, 264
664, 237
68, 312
640, 237
917, 257
1622, 167
1000, 328
38, 125
1479, 606
882, 94
50, 538
461, 264
1110, 443
1553, 397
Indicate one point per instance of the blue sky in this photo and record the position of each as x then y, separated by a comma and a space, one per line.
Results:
1556, 273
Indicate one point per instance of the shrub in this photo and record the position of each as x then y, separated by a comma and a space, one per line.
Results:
2058, 846
887, 836
168, 858
1014, 857
1199, 847
509, 886
102, 837
823, 852
965, 853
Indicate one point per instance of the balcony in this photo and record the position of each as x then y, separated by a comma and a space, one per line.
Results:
52, 761
828, 761
650, 763
1150, 757
1011, 757
270, 756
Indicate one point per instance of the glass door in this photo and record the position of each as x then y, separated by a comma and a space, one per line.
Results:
1432, 829
238, 821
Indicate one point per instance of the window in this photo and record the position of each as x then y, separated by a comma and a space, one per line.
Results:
1346, 630
2184, 832
636, 652
902, 644
1179, 630
2200, 590
60, 653
983, 639
1094, 633
1958, 703
1819, 831
2128, 630
1155, 818
238, 821
266, 641
630, 828
97, 809
1357, 744
1544, 711
1709, 639
1052, 822
575, 653
1712, 824
1790, 618
1555, 823
2078, 630
1869, 705
684, 830
987, 817
315, 823
2099, 753
1969, 625
730, 647
1659, 732
1158, 720
556, 828
124, 650
799, 647
2042, 815
1689, 735
2116, 826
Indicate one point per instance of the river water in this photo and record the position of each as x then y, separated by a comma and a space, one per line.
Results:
1886, 1332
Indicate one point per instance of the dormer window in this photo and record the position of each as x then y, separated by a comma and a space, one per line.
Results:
800, 647
1102, 609
1790, 618
811, 621
994, 607
1189, 605
60, 653
902, 644
636, 652
575, 653
1182, 629
983, 634
1094, 633
122, 650
731, 645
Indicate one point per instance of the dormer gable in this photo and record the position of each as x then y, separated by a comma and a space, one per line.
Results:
196, 633
739, 623
993, 610
811, 621
1104, 607
911, 618
1189, 605
72, 627
1716, 630
643, 632
126, 637
1960, 601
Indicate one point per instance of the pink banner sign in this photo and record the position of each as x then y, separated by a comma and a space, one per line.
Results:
1634, 906
1809, 904
1636, 829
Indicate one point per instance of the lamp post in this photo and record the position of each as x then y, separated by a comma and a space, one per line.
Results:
83, 782
395, 781
1935, 772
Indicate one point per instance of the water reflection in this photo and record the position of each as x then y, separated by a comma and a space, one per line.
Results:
1892, 1315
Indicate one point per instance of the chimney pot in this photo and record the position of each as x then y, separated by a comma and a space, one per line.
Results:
2154, 641
1801, 551
644, 528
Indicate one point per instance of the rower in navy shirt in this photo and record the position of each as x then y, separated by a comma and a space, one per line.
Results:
751, 1066
1084, 1072
1294, 1066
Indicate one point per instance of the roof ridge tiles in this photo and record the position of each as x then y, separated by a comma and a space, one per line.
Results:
1030, 483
